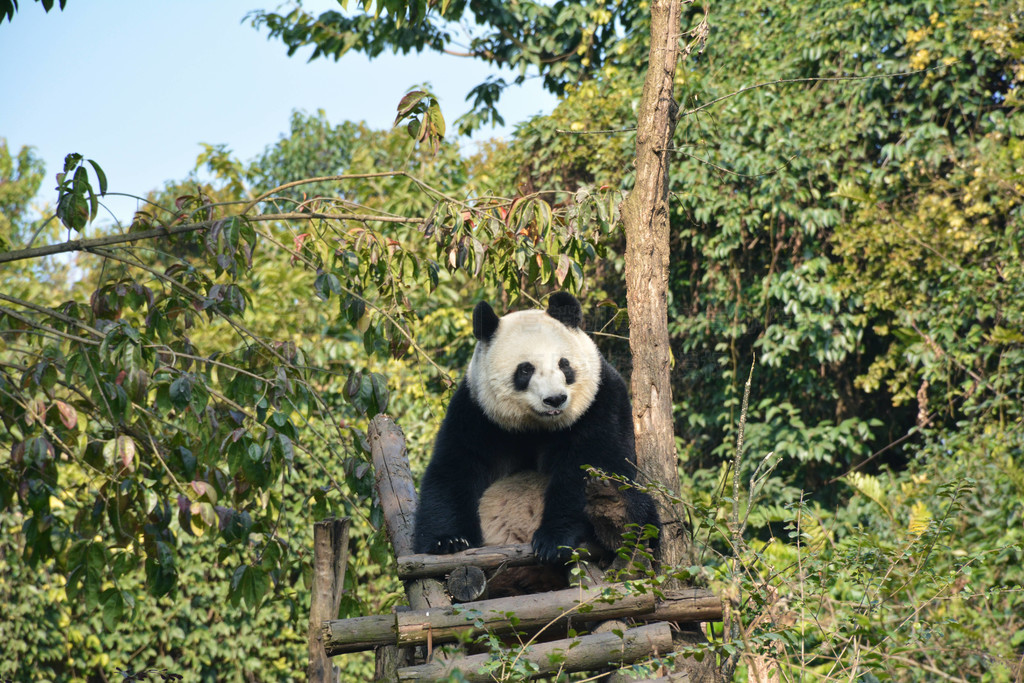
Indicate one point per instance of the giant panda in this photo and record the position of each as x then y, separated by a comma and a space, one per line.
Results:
538, 403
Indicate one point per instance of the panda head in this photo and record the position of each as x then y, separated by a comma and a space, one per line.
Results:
534, 369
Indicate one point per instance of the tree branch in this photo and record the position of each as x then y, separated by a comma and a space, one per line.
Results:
90, 244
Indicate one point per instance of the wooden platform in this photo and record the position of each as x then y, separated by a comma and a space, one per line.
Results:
602, 624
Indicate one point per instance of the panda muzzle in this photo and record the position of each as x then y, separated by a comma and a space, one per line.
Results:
554, 403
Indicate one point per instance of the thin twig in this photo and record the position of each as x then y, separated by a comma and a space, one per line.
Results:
122, 238
46, 328
781, 81
813, 79
52, 313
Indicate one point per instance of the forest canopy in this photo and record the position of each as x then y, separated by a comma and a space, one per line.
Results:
183, 397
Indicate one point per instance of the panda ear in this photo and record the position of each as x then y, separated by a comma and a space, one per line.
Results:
564, 308
485, 322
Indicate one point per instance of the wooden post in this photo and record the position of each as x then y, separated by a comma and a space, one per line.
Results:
395, 489
330, 555
398, 502
397, 495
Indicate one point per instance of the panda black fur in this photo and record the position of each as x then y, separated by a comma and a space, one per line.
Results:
538, 397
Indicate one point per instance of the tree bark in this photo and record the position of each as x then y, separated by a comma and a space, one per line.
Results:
488, 557
330, 554
584, 653
523, 612
397, 495
646, 219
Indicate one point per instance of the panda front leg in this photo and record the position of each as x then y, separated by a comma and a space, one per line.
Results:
448, 518
564, 525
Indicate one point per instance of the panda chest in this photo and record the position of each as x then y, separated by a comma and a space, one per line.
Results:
526, 453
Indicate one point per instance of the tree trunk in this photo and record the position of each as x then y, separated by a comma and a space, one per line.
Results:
646, 220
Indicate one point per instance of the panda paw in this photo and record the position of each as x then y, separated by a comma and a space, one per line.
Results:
448, 545
553, 547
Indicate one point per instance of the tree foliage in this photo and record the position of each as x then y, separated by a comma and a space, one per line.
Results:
563, 42
9, 7
845, 212
211, 378
20, 178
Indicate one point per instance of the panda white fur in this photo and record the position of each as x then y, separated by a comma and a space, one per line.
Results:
540, 402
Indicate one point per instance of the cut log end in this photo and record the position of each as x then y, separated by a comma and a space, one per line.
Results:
466, 584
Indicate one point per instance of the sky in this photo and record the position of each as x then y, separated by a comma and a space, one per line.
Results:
138, 85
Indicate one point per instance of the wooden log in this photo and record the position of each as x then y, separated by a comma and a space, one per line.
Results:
687, 604
350, 635
330, 555
358, 633
395, 488
584, 653
674, 677
491, 557
503, 615
466, 584
397, 495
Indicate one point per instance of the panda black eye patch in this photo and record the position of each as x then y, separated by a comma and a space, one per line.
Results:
522, 375
566, 368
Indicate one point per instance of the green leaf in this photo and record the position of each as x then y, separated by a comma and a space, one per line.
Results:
408, 103
436, 119
101, 177
379, 402
180, 392
113, 604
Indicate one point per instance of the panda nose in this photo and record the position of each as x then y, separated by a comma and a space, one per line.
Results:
555, 401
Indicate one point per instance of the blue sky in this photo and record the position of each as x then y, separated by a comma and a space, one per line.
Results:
137, 85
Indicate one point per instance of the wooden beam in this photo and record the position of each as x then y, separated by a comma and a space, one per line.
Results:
522, 612
532, 611
687, 604
583, 653
358, 633
490, 557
